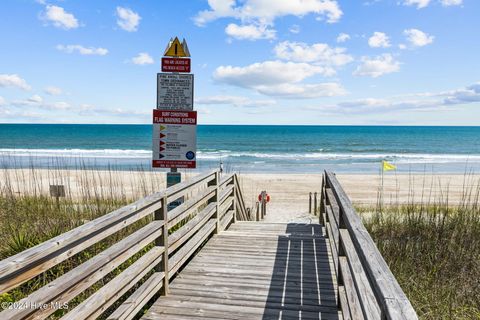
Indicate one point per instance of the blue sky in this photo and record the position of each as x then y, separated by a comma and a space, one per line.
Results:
393, 62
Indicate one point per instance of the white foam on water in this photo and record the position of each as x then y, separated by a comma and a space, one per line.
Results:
77, 153
258, 157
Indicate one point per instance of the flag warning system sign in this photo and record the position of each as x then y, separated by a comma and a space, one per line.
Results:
174, 91
174, 139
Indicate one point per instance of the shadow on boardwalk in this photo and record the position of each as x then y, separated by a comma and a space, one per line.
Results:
302, 285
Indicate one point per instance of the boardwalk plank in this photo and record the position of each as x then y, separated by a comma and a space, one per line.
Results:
256, 270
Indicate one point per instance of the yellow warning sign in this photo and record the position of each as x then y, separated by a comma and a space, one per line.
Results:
177, 49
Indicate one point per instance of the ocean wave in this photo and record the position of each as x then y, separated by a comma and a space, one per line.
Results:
77, 153
399, 158
258, 157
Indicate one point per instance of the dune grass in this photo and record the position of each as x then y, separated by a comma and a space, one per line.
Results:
30, 216
433, 249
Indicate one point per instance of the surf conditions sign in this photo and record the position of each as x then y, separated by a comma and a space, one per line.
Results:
174, 139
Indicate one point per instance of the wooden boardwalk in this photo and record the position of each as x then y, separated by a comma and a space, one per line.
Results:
256, 270
207, 259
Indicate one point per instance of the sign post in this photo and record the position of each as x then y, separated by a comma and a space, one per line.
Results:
174, 121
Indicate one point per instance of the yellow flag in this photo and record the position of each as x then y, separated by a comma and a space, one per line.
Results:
388, 166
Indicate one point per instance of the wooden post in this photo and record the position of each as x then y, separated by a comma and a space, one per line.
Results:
264, 204
162, 214
315, 204
235, 200
310, 203
215, 198
257, 212
322, 202
262, 215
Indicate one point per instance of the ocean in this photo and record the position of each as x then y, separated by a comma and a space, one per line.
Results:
249, 148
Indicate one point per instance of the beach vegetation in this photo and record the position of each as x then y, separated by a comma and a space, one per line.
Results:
29, 215
432, 247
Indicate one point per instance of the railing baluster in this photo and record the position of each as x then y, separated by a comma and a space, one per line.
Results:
322, 202
215, 198
235, 200
162, 214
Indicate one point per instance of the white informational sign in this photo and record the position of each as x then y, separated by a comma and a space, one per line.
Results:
174, 91
174, 139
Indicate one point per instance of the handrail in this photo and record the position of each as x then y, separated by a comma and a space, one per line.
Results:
211, 205
367, 289
241, 209
27, 264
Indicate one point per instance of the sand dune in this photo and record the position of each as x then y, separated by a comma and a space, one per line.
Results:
289, 192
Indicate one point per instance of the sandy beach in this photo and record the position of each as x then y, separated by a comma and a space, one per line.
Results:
289, 192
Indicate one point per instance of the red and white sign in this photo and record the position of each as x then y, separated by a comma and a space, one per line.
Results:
175, 65
174, 139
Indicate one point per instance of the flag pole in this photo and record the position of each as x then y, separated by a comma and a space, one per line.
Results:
381, 192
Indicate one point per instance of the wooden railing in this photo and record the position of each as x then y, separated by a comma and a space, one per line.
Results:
212, 203
367, 288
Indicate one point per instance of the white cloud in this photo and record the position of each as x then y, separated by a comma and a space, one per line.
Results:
342, 37
204, 111
267, 10
35, 99
419, 3
37, 102
278, 78
448, 3
59, 17
82, 50
15, 116
295, 28
377, 66
143, 58
418, 38
317, 53
303, 91
236, 101
466, 95
57, 106
89, 110
267, 73
2, 101
250, 32
379, 40
13, 80
373, 105
260, 15
423, 102
53, 91
127, 19
424, 3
